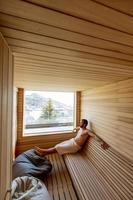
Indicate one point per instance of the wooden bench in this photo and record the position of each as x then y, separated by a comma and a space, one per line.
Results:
101, 175
96, 175
59, 183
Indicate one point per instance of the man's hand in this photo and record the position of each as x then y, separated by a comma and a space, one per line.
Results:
104, 145
76, 129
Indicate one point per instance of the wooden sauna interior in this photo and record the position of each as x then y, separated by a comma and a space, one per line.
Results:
81, 46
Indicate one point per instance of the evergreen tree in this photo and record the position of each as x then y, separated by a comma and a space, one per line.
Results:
48, 111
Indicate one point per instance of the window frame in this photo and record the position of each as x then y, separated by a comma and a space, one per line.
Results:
20, 116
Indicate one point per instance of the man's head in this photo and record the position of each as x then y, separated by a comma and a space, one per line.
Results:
83, 123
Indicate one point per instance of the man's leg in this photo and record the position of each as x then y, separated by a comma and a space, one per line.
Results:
43, 152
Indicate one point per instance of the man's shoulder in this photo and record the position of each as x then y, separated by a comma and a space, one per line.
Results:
86, 131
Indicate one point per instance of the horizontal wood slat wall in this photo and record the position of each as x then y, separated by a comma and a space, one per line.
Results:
44, 140
110, 112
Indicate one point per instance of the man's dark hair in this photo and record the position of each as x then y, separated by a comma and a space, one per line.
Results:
85, 121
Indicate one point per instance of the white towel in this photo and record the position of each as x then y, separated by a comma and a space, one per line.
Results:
68, 146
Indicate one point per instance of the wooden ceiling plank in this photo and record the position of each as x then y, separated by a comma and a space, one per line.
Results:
51, 75
75, 57
92, 54
37, 80
55, 80
74, 68
41, 59
48, 86
91, 11
69, 84
71, 47
81, 73
93, 77
82, 65
49, 32
60, 42
46, 16
16, 34
122, 5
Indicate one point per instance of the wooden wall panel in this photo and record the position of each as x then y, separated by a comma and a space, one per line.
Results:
20, 112
14, 121
110, 112
6, 102
78, 108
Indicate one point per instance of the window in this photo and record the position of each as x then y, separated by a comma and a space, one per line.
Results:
47, 112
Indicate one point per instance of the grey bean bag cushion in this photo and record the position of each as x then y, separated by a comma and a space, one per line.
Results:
29, 188
30, 164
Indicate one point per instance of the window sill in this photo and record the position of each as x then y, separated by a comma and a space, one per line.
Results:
46, 133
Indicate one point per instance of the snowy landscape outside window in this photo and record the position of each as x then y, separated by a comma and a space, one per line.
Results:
47, 112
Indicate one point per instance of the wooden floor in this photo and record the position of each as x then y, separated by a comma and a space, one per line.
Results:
59, 183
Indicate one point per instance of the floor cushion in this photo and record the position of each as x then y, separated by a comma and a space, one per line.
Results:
31, 164
29, 188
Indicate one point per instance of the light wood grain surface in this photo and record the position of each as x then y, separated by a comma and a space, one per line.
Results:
69, 46
6, 104
110, 112
99, 175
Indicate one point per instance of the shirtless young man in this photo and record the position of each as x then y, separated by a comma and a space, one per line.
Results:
72, 145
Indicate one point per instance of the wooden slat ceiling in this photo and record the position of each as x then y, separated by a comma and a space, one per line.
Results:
69, 45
